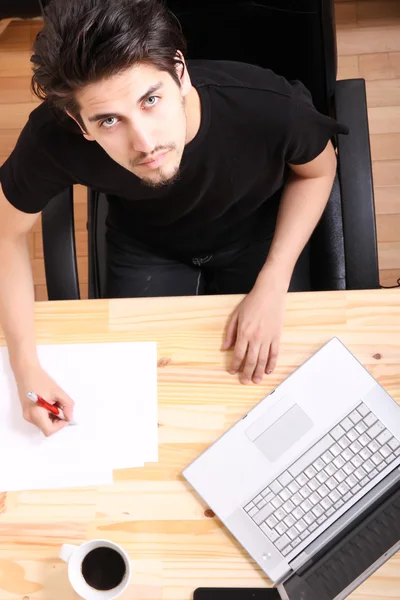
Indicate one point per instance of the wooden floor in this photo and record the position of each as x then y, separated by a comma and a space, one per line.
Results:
368, 36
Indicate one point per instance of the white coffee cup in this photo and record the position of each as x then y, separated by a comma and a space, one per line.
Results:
74, 556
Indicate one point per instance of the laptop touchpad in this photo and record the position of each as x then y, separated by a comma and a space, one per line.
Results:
282, 434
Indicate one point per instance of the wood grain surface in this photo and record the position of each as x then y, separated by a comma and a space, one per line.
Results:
176, 545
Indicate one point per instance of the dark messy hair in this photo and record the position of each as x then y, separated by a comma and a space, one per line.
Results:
85, 41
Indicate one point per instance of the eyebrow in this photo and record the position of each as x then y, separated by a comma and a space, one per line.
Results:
150, 91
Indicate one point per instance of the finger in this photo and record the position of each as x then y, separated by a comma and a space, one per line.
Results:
273, 357
238, 355
231, 330
46, 425
67, 409
261, 364
251, 362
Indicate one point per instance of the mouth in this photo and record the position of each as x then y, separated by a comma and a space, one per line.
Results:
155, 161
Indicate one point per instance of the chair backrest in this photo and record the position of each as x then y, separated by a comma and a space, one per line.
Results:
294, 38
22, 9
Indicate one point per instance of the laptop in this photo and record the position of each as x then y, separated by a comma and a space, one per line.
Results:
308, 481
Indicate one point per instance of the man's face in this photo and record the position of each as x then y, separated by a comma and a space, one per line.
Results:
138, 117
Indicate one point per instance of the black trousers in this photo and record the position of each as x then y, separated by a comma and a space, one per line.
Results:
137, 270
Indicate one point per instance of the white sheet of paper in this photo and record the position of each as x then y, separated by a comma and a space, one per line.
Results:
115, 392
145, 390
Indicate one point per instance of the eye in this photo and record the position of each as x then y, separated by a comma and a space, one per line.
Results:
106, 123
152, 100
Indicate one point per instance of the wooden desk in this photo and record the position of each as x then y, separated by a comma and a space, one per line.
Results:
175, 545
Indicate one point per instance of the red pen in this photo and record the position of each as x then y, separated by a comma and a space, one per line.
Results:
55, 410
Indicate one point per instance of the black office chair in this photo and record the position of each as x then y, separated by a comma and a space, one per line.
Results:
19, 9
296, 39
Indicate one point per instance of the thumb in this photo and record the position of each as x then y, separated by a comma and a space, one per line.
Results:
68, 412
230, 335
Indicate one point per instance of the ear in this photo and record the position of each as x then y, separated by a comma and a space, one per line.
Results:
88, 137
183, 74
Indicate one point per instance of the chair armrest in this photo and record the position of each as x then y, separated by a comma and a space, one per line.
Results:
356, 183
59, 247
93, 265
97, 215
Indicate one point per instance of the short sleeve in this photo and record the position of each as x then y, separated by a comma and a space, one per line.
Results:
307, 131
30, 177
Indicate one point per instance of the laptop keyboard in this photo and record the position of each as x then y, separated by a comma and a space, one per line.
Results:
323, 479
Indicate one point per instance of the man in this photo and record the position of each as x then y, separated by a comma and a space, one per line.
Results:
216, 174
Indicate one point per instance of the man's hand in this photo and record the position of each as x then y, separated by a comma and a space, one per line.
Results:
256, 325
255, 328
37, 380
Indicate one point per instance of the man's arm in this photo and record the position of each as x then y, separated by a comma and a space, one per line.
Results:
303, 201
17, 311
16, 285
256, 325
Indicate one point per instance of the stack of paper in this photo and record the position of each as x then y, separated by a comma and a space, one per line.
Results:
114, 387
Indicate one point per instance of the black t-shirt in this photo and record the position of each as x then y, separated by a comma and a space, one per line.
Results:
253, 123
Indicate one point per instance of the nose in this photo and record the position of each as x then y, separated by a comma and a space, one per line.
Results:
141, 139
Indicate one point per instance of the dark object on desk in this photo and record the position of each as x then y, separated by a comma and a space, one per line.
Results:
296, 39
236, 594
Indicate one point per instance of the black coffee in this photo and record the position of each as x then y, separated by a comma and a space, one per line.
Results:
103, 568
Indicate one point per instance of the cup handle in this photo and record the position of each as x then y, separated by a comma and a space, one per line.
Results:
67, 551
